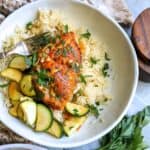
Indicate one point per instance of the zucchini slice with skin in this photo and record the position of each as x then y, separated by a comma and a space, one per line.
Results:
73, 124
56, 129
27, 86
11, 74
13, 91
20, 114
44, 118
13, 109
18, 62
29, 109
76, 110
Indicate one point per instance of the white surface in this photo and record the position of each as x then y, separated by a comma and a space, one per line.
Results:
124, 65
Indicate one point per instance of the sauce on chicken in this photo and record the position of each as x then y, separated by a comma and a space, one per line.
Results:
61, 60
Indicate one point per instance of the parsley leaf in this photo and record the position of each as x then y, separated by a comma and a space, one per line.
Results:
29, 25
86, 35
75, 67
43, 78
83, 78
94, 110
66, 28
28, 61
34, 58
128, 133
31, 60
105, 70
107, 57
4, 85
93, 61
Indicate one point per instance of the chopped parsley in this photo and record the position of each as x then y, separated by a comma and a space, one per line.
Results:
75, 67
43, 78
107, 57
58, 97
70, 127
94, 110
28, 61
83, 78
31, 60
64, 52
86, 35
29, 25
79, 92
105, 70
34, 58
4, 85
39, 95
93, 61
66, 28
75, 111
58, 52
97, 103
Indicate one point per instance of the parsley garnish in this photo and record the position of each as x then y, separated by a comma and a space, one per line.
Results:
94, 110
29, 25
31, 60
105, 70
75, 67
93, 61
28, 61
107, 57
66, 28
34, 58
83, 78
43, 78
64, 52
4, 85
128, 133
86, 35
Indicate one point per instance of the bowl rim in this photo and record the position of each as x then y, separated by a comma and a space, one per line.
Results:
132, 93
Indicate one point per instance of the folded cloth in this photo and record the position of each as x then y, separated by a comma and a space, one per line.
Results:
115, 8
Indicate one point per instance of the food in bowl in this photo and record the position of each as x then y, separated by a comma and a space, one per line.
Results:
65, 80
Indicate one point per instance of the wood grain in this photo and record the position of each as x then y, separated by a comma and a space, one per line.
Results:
141, 35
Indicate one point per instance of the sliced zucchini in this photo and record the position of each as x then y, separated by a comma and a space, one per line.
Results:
14, 92
70, 126
29, 110
76, 110
20, 114
27, 86
56, 129
12, 74
25, 98
18, 62
13, 110
44, 118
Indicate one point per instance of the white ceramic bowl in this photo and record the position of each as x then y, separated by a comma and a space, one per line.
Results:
124, 65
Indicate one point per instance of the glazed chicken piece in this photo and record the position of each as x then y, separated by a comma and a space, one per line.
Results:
58, 63
67, 50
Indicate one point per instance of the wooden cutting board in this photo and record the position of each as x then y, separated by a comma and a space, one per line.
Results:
141, 39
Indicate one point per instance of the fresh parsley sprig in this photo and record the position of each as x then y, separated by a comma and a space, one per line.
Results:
128, 133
